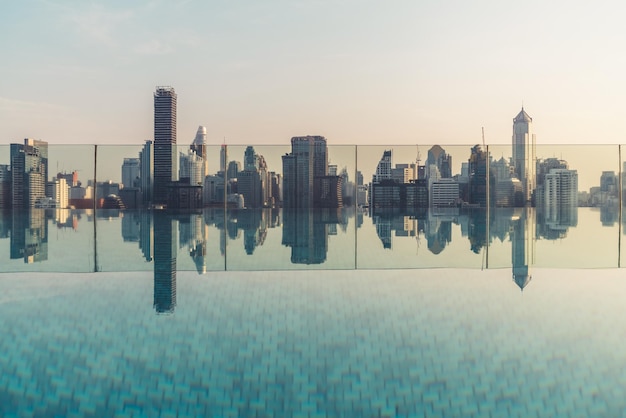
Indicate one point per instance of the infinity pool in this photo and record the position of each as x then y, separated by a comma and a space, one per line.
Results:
447, 342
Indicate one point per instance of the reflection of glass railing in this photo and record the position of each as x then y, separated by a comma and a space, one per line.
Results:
310, 205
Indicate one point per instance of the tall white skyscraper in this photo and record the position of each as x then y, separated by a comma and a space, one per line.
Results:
524, 152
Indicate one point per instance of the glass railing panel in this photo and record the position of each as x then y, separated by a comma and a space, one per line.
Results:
47, 224
137, 230
5, 202
512, 219
622, 178
123, 219
253, 224
275, 222
420, 212
577, 206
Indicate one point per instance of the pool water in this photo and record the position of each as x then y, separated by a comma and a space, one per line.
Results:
442, 342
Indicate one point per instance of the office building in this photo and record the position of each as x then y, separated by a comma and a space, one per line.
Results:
478, 187
58, 192
191, 167
438, 157
561, 198
383, 169
165, 156
444, 192
29, 172
131, 172
307, 161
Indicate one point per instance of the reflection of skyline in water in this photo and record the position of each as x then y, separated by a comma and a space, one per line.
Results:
306, 233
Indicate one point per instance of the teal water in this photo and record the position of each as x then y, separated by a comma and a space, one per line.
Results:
446, 342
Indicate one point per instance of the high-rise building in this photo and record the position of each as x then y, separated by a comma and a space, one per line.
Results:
59, 193
249, 181
145, 162
524, 153
479, 189
383, 169
131, 172
223, 158
308, 160
165, 156
438, 157
29, 172
199, 147
5, 186
192, 168
561, 198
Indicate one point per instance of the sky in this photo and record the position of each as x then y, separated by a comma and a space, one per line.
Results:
355, 71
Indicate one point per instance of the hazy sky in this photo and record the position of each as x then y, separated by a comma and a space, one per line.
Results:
357, 72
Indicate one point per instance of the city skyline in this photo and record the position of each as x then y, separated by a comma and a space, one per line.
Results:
414, 72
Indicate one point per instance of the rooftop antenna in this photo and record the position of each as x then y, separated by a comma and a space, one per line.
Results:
483, 129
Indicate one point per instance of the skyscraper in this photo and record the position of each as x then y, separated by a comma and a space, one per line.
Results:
145, 160
29, 171
131, 172
165, 157
524, 153
383, 169
438, 157
198, 146
308, 160
560, 203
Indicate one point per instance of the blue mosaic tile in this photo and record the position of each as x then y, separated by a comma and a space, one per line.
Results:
446, 343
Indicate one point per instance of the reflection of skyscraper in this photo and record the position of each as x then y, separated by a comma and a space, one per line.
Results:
306, 232
147, 234
164, 263
165, 160
131, 227
197, 245
29, 236
383, 229
523, 245
524, 152
438, 232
